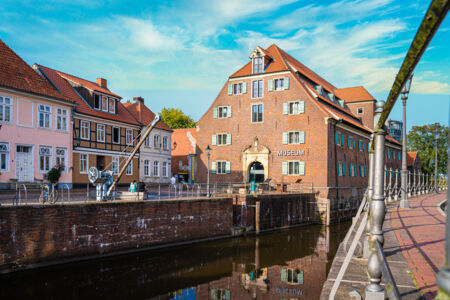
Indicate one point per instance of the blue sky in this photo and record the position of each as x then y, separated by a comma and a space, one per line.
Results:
180, 53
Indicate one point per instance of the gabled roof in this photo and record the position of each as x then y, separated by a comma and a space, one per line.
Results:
354, 94
15, 73
410, 158
54, 77
144, 115
88, 84
186, 141
391, 139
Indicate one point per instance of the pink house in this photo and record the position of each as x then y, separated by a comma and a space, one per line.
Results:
35, 124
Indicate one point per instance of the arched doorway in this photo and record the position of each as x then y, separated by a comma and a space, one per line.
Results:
256, 172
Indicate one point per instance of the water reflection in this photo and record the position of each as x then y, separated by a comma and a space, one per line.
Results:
289, 264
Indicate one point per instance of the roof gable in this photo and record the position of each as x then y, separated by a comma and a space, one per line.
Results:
88, 84
144, 114
354, 94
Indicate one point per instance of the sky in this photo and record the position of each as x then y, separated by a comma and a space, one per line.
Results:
180, 53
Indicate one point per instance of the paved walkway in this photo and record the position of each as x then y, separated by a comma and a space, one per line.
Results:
420, 232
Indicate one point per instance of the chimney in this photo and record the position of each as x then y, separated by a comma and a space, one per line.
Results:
139, 100
101, 82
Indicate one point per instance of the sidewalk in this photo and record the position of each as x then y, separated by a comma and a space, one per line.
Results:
420, 232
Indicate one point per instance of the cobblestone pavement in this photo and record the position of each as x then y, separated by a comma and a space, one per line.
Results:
420, 232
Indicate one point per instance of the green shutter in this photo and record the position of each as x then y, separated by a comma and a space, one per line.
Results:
302, 137
230, 89
301, 107
214, 294
270, 85
363, 146
302, 168
349, 169
213, 167
229, 139
244, 88
354, 169
228, 167
365, 171
286, 83
214, 139
300, 277
285, 138
285, 108
284, 275
336, 138
349, 144
337, 168
342, 139
215, 112
284, 167
343, 169
227, 295
359, 145
229, 112
354, 143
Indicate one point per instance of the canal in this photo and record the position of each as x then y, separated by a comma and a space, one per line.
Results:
286, 264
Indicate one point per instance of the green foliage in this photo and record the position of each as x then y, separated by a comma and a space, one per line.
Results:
175, 118
55, 173
421, 139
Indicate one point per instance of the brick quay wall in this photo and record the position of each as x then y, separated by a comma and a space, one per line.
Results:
42, 235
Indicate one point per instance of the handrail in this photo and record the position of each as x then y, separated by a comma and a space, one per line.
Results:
26, 193
65, 186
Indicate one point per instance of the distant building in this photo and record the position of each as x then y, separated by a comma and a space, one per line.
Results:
395, 128
35, 124
413, 162
184, 153
155, 153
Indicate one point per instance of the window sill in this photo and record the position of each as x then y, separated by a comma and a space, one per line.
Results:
85, 139
61, 131
49, 129
6, 123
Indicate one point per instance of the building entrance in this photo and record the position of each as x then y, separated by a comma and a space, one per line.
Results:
256, 172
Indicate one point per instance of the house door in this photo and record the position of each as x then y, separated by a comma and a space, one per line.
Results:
256, 172
24, 163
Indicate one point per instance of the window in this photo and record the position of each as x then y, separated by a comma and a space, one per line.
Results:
130, 168
100, 133
289, 275
45, 158
61, 119
165, 170
104, 103
360, 111
147, 141
85, 131
257, 90
339, 138
129, 136
156, 168
44, 113
5, 109
237, 88
116, 135
84, 163
221, 139
146, 168
222, 112
165, 143
279, 84
257, 113
221, 167
351, 142
112, 105
97, 101
257, 65
61, 157
115, 165
4, 157
294, 137
340, 168
294, 108
157, 141
220, 294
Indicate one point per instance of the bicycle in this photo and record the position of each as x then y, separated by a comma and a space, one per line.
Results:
49, 194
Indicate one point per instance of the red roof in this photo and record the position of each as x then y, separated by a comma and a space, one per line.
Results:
122, 114
186, 141
410, 158
354, 94
391, 139
17, 74
144, 115
88, 84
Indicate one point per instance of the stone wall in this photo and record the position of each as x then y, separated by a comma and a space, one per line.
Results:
40, 235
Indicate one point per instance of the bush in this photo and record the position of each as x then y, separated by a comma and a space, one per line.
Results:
55, 173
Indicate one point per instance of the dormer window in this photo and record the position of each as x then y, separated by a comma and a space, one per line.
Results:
104, 104
258, 65
97, 101
112, 105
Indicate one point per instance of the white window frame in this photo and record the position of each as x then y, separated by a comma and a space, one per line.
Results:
255, 69
157, 141
147, 166
281, 85
147, 141
222, 108
129, 136
64, 118
293, 162
59, 156
112, 135
105, 100
362, 110
49, 156
165, 143
262, 113
156, 170
88, 130
45, 113
258, 89
237, 88
99, 131
115, 165
84, 158
165, 169
4, 106
293, 104
129, 169
222, 135
99, 102
4, 151
222, 163
112, 108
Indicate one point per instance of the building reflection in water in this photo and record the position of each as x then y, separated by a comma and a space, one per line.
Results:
288, 264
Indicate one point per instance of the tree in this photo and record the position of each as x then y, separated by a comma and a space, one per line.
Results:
421, 139
175, 118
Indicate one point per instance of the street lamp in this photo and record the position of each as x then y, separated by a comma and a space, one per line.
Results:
208, 153
436, 134
405, 93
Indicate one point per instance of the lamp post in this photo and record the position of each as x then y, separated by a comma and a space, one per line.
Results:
208, 153
436, 137
405, 92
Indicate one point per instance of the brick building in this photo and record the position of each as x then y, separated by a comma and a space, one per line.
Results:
104, 131
275, 118
184, 154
